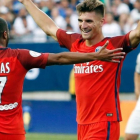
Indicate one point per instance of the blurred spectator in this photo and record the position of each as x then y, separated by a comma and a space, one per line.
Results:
135, 13
123, 19
64, 4
73, 4
7, 15
3, 12
111, 28
58, 19
45, 5
132, 1
118, 7
69, 28
129, 25
71, 19
121, 7
126, 14
23, 24
130, 5
16, 6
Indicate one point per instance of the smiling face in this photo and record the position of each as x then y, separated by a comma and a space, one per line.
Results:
90, 24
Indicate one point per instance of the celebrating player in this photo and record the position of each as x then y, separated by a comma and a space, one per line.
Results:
14, 64
97, 83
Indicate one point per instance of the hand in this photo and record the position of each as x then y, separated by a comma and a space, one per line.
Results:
110, 55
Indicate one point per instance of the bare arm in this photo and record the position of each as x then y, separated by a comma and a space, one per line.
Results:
42, 20
134, 36
74, 57
137, 84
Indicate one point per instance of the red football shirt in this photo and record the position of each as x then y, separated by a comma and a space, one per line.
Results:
97, 82
14, 64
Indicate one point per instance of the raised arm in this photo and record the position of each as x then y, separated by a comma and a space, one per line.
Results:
73, 58
42, 20
134, 36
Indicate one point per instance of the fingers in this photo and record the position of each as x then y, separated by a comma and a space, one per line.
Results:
117, 57
105, 45
118, 54
116, 50
115, 61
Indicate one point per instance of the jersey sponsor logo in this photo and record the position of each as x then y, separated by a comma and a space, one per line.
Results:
34, 54
88, 68
8, 107
98, 48
4, 67
109, 114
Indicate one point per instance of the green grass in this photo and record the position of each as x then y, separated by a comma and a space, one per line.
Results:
44, 136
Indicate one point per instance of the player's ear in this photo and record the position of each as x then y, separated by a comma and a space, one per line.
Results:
102, 21
5, 35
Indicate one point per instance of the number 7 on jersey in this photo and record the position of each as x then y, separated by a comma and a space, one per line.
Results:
2, 85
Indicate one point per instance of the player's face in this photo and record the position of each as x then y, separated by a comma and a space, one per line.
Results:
90, 25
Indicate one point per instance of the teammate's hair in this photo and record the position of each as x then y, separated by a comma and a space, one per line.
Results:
3, 27
90, 6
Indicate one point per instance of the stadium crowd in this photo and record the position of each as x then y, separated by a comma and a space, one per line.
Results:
121, 17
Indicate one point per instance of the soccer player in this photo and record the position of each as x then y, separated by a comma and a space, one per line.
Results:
14, 64
97, 83
132, 130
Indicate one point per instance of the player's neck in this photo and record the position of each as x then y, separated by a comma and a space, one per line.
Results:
2, 43
94, 41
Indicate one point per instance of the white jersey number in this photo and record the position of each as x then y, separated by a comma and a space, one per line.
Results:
2, 84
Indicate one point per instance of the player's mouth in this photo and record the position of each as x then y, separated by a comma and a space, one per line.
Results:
85, 31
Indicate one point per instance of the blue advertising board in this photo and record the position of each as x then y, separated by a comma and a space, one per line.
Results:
50, 116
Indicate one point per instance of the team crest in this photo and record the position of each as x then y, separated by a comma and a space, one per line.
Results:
69, 32
34, 54
98, 48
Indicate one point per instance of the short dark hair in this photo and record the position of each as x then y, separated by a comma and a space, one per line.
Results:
90, 6
3, 26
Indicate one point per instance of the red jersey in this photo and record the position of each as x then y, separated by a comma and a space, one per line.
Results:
14, 64
97, 82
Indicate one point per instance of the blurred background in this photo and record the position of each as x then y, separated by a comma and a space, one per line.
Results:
48, 97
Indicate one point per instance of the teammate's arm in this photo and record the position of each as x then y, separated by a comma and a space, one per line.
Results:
42, 20
134, 36
137, 84
137, 77
73, 58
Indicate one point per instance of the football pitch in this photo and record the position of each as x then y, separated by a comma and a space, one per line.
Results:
44, 136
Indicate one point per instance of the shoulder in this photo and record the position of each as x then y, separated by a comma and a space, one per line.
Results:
61, 31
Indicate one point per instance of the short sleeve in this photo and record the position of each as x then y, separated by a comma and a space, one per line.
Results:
122, 42
31, 59
66, 39
137, 69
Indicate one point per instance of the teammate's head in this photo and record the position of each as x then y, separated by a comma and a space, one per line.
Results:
4, 33
91, 18
91, 6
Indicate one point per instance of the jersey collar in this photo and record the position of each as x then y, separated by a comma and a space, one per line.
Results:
3, 48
